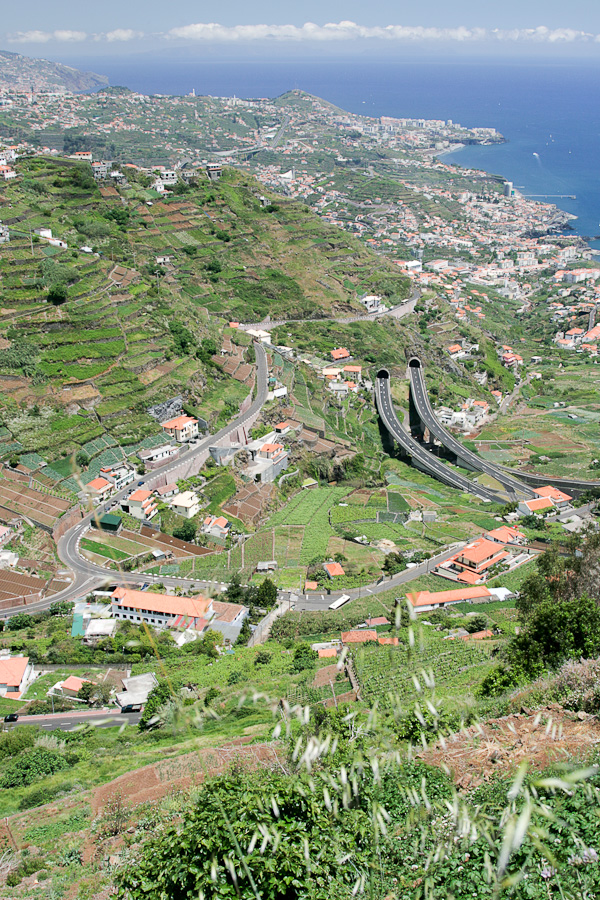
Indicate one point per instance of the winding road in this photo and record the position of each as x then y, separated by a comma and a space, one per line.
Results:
89, 576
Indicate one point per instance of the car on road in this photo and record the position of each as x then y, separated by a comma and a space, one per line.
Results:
11, 717
132, 707
140, 483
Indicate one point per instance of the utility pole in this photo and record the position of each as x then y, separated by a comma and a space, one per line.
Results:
31, 241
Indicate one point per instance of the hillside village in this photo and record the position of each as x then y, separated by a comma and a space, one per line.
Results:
215, 556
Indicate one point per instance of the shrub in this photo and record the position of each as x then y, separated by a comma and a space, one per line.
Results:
40, 796
211, 694
15, 741
476, 623
186, 531
57, 294
21, 620
304, 657
32, 765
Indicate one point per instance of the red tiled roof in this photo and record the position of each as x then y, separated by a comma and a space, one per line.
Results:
551, 493
340, 353
98, 484
178, 422
12, 670
140, 495
73, 683
478, 551
429, 598
505, 534
197, 607
358, 637
378, 620
540, 503
333, 569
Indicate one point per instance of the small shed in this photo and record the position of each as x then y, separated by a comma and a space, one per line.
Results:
110, 523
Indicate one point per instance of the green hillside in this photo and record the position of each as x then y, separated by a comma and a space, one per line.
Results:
96, 332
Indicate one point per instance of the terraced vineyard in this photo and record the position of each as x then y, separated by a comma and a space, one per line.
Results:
97, 331
453, 667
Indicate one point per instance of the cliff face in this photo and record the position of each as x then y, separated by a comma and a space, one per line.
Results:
19, 72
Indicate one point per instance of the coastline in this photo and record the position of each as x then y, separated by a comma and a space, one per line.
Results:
522, 192
454, 148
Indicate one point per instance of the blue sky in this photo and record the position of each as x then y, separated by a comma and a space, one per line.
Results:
64, 28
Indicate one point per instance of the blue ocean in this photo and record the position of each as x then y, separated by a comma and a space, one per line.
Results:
548, 113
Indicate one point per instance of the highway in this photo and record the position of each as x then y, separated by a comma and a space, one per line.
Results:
424, 458
520, 484
427, 416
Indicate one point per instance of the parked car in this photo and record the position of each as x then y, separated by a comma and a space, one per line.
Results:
11, 717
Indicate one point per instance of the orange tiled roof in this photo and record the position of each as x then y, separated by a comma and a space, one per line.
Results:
197, 607
429, 598
551, 493
73, 683
98, 484
12, 670
178, 422
140, 495
358, 637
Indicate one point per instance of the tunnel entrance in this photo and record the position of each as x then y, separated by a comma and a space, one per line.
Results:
414, 363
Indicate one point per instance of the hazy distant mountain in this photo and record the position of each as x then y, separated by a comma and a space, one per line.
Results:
25, 73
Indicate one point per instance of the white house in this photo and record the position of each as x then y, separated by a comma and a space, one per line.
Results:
119, 476
182, 428
136, 689
186, 504
371, 302
16, 674
99, 488
538, 507
559, 498
71, 686
217, 526
142, 504
161, 610
158, 456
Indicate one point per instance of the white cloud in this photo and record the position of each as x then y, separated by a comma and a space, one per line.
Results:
310, 32
30, 37
70, 36
42, 37
348, 31
123, 34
